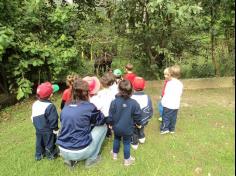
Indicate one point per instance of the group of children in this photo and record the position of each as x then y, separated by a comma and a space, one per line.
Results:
122, 100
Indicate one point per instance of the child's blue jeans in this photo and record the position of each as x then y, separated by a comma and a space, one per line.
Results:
91, 152
126, 143
160, 108
169, 119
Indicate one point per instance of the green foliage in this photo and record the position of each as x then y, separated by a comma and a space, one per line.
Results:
24, 88
46, 40
158, 26
197, 70
173, 28
226, 60
6, 39
40, 45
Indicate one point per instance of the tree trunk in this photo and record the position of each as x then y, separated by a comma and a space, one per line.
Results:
214, 61
91, 52
152, 58
82, 55
3, 82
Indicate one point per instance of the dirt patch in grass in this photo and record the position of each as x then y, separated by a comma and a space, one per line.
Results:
203, 97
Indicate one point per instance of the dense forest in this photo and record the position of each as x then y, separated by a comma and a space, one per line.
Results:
48, 39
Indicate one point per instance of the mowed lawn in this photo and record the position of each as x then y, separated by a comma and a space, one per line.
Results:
202, 145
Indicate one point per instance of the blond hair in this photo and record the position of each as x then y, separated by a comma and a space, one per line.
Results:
166, 71
175, 71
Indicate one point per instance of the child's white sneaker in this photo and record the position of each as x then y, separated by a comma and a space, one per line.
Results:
135, 147
165, 132
114, 155
142, 140
160, 119
130, 161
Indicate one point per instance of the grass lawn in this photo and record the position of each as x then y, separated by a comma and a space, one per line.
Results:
202, 145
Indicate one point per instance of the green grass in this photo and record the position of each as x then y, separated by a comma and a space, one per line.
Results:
203, 143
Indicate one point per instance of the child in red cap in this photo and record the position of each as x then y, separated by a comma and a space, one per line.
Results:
45, 120
146, 107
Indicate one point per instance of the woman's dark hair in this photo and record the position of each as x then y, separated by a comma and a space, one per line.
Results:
80, 91
125, 89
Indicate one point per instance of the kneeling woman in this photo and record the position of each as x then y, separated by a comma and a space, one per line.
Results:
78, 138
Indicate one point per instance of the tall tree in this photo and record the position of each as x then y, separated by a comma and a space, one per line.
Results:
161, 29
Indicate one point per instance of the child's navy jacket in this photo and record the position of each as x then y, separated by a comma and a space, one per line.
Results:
44, 116
123, 114
145, 104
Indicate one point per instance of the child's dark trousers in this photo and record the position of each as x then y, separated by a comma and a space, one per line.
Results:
45, 145
169, 119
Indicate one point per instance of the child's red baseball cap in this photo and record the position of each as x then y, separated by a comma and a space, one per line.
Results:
44, 90
94, 84
138, 83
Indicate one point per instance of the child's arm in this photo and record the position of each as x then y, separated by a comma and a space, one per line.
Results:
52, 117
137, 115
62, 104
111, 112
97, 117
150, 108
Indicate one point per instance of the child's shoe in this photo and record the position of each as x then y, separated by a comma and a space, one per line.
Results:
160, 119
172, 132
165, 132
70, 163
142, 140
90, 163
130, 161
38, 158
114, 155
135, 147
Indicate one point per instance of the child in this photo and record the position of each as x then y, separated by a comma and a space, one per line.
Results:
129, 74
146, 106
76, 140
117, 78
124, 112
118, 75
167, 77
104, 97
66, 96
171, 101
94, 86
45, 120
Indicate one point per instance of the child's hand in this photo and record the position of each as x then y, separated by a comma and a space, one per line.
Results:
109, 126
138, 126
